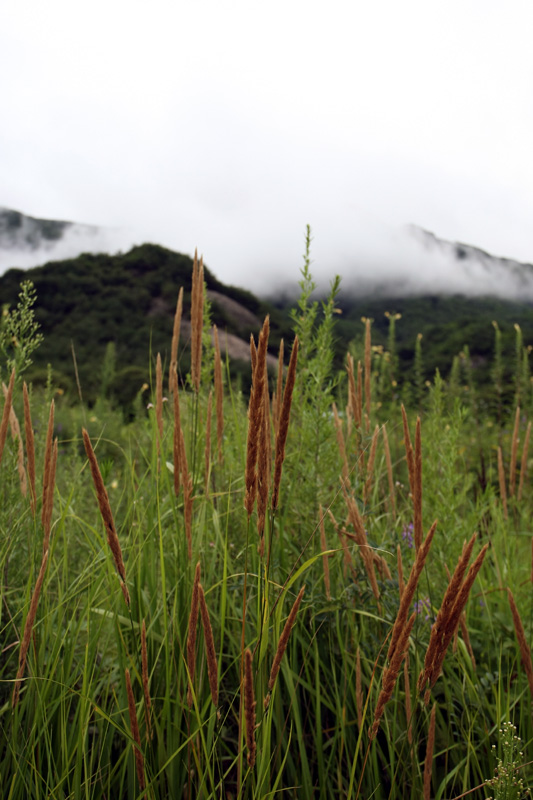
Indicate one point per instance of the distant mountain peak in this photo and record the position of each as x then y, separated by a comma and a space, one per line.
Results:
21, 232
461, 251
411, 262
470, 270
27, 241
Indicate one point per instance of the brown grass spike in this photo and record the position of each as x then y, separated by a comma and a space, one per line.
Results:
525, 652
211, 656
264, 459
5, 414
501, 479
370, 465
177, 434
186, 480
360, 537
28, 628
191, 635
279, 388
48, 504
255, 418
146, 684
348, 561
284, 639
409, 591
175, 342
390, 673
105, 511
17, 439
352, 389
443, 615
453, 621
281, 437
249, 708
390, 478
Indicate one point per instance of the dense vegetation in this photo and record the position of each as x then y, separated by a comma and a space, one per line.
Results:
128, 300
209, 603
444, 327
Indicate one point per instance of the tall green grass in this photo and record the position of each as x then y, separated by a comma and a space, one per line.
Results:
70, 734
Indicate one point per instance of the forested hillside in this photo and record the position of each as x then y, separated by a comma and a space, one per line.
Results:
129, 300
86, 303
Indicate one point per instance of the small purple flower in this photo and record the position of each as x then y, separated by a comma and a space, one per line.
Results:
407, 535
423, 606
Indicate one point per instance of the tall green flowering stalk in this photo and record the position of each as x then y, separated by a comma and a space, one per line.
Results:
316, 381
19, 331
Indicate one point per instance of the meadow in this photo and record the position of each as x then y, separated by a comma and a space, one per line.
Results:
319, 590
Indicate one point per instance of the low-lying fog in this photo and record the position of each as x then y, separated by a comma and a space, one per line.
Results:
373, 260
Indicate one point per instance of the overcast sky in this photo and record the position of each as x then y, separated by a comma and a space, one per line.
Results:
231, 125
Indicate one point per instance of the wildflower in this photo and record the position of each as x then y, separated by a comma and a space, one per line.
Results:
507, 781
423, 606
407, 535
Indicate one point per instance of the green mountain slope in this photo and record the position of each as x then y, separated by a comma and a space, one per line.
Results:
130, 300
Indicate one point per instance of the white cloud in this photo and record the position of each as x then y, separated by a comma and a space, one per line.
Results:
229, 126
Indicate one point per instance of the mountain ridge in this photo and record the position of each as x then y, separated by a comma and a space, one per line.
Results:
416, 262
128, 300
475, 257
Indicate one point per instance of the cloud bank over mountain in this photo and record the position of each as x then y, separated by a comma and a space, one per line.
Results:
378, 261
29, 241
413, 261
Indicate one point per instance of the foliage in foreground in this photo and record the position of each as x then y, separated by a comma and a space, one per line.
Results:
214, 603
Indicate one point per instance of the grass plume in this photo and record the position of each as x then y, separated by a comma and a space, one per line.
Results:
249, 708
28, 629
107, 516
